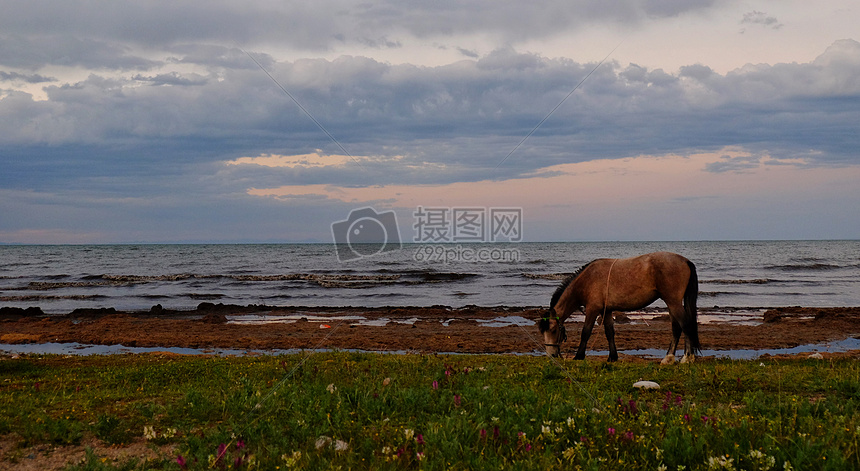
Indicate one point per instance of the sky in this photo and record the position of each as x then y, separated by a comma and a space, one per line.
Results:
270, 121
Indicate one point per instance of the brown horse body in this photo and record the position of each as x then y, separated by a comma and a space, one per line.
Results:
607, 285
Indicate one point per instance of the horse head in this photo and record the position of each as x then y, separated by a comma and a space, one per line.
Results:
552, 328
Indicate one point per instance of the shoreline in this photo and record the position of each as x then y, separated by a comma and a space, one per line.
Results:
431, 329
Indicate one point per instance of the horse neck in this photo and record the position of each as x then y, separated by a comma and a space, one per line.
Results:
568, 302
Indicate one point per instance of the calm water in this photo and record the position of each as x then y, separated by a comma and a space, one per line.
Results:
135, 277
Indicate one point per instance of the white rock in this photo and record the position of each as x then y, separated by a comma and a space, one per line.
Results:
322, 441
816, 356
340, 445
646, 385
327, 442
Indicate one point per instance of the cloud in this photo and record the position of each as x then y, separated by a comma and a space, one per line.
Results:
317, 25
759, 18
424, 125
34, 51
26, 78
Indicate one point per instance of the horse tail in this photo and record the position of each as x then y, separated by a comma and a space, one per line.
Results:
691, 325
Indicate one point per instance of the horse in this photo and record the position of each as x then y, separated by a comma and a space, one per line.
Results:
606, 285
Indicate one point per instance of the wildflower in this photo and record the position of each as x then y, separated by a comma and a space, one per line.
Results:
149, 432
456, 400
222, 448
787, 466
240, 444
569, 453
291, 460
435, 384
169, 433
419, 439
496, 432
762, 460
386, 450
569, 422
545, 430
331, 388
629, 436
409, 433
419, 456
610, 431
720, 462
483, 434
181, 462
662, 467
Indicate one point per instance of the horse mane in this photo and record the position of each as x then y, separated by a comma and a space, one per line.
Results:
564, 284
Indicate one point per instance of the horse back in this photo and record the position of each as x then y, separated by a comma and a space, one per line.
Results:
636, 282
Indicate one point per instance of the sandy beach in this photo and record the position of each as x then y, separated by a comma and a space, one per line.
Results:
435, 329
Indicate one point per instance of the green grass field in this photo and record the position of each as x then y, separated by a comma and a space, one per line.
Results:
375, 411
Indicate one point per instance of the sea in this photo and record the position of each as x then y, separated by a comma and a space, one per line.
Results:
732, 274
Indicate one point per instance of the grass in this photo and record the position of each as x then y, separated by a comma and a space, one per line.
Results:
374, 411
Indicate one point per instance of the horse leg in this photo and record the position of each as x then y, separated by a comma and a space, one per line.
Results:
609, 329
689, 356
669, 359
590, 317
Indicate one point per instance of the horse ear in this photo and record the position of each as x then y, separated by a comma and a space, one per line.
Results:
543, 324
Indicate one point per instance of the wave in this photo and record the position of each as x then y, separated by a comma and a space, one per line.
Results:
44, 297
803, 266
546, 276
756, 281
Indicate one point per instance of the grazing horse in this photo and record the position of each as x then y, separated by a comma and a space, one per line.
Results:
606, 285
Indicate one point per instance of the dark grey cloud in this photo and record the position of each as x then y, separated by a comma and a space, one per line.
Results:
408, 124
34, 51
105, 33
25, 78
759, 18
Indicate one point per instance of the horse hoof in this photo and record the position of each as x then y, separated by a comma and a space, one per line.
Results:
688, 359
668, 360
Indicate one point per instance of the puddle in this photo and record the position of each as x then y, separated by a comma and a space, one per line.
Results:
750, 354
88, 349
